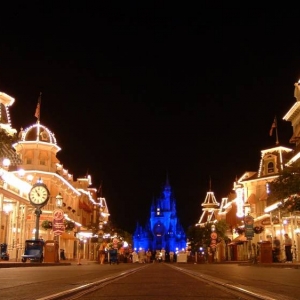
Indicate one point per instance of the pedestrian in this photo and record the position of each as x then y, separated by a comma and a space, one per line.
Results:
148, 255
62, 254
80, 250
288, 248
171, 256
163, 254
102, 252
135, 257
142, 256
276, 249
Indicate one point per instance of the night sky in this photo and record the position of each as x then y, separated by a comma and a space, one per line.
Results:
134, 93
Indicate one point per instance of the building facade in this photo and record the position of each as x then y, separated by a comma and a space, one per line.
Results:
250, 194
32, 158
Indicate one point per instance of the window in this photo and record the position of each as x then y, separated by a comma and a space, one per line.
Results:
270, 167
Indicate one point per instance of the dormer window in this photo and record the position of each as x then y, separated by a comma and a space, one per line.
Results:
269, 164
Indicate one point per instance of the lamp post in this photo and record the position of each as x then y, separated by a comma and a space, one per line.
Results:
59, 200
213, 241
38, 213
58, 221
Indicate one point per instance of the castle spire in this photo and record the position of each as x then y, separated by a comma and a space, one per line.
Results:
167, 180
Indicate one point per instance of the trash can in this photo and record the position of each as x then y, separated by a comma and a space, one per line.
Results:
265, 253
51, 252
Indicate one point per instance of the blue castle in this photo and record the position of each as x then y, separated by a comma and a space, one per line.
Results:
163, 229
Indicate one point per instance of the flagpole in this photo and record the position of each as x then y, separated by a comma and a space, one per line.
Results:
274, 125
276, 131
38, 115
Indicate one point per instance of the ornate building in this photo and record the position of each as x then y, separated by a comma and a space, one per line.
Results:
249, 194
29, 157
163, 229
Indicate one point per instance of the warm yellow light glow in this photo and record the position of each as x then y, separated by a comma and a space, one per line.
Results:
239, 202
6, 162
7, 207
29, 177
272, 207
21, 172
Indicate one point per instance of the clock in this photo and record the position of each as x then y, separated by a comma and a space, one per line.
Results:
39, 194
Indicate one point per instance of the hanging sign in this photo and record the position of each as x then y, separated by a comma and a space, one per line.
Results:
58, 225
213, 241
249, 232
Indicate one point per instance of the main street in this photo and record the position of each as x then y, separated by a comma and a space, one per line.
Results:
39, 282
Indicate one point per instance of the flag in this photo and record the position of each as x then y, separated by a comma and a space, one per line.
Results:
38, 108
274, 125
100, 189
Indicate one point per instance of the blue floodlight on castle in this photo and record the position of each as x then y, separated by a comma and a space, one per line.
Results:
163, 229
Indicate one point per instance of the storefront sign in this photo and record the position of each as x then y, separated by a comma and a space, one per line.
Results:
213, 241
267, 221
249, 221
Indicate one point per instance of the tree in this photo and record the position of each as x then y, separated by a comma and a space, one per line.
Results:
286, 188
200, 236
286, 184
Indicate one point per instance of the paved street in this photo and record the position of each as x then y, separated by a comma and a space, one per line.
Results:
36, 282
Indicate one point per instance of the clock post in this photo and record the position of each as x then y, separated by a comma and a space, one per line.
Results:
38, 213
38, 197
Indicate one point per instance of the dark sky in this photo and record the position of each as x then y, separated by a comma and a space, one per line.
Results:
134, 92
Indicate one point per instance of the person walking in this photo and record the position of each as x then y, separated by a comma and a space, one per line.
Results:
102, 252
163, 254
148, 255
171, 256
288, 248
80, 250
276, 249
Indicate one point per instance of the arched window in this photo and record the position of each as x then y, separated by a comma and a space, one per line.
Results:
270, 167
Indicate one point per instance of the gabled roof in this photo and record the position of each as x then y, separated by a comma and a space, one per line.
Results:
210, 209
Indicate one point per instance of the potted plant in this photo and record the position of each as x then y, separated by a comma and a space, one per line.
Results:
258, 229
239, 230
69, 225
47, 224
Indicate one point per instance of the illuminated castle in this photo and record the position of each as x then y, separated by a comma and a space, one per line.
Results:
163, 229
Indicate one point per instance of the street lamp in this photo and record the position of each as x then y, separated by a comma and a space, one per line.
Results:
59, 200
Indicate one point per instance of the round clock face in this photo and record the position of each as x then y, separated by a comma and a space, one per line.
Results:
39, 194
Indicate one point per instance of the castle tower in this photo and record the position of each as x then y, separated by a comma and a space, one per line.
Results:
163, 229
